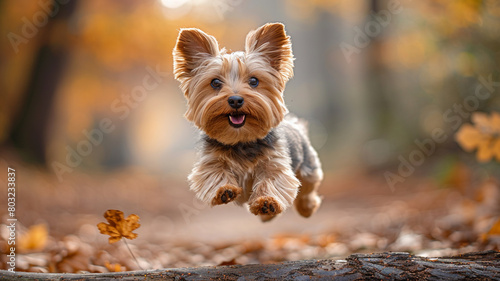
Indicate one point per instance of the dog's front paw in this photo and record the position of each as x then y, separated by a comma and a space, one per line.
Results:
266, 207
226, 194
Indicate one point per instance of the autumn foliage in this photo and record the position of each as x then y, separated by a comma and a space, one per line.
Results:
483, 135
119, 227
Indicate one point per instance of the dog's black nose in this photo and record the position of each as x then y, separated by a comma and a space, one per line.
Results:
235, 101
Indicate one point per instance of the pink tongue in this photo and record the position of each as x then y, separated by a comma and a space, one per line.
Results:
237, 119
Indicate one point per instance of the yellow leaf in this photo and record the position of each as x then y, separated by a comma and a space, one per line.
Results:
35, 238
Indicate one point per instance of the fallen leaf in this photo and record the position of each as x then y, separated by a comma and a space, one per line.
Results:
35, 238
495, 229
118, 227
115, 267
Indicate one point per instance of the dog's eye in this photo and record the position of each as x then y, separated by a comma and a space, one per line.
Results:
253, 82
216, 84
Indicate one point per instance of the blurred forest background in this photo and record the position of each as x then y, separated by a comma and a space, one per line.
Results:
92, 119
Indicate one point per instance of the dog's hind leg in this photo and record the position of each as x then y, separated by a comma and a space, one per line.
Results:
308, 200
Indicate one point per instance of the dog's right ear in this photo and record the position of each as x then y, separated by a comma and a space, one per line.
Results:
193, 46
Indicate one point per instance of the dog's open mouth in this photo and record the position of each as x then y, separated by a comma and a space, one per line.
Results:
237, 120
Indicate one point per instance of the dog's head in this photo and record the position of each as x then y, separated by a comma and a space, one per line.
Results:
234, 97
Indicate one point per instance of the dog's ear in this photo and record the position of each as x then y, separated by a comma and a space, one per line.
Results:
271, 41
193, 46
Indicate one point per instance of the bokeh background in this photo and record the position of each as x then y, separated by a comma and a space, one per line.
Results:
373, 78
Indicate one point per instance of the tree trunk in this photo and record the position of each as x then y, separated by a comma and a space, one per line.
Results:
29, 134
392, 266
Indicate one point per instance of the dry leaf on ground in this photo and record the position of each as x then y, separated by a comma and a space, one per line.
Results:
495, 229
35, 238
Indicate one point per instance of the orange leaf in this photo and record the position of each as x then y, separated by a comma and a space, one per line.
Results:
113, 267
35, 238
496, 149
118, 227
495, 122
495, 229
469, 137
484, 151
484, 135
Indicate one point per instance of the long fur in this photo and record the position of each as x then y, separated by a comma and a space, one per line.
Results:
265, 162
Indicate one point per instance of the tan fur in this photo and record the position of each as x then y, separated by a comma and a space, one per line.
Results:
308, 200
248, 164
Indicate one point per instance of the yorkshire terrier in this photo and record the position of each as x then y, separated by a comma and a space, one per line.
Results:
251, 151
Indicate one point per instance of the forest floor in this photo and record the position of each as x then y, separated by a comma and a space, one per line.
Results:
56, 230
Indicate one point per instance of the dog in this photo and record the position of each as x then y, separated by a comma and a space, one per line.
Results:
252, 152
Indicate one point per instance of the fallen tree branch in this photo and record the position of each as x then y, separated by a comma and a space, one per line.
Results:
395, 266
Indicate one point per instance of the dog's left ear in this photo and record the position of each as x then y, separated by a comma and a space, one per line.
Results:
271, 41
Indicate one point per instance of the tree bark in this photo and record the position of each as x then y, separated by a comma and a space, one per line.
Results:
382, 266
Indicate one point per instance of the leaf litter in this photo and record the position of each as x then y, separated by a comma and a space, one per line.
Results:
360, 214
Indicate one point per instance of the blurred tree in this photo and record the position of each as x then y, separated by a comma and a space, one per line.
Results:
30, 132
376, 74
